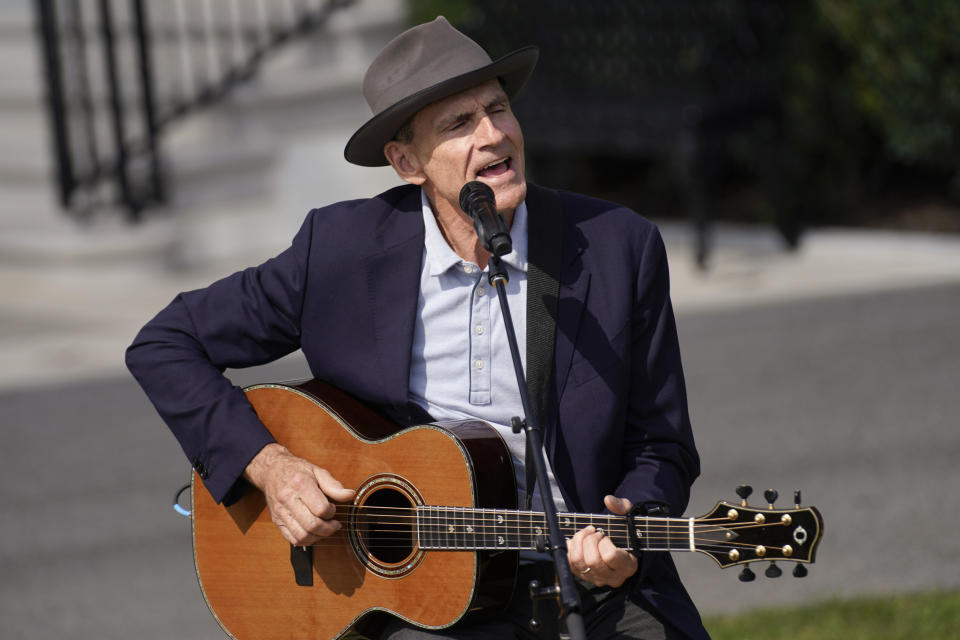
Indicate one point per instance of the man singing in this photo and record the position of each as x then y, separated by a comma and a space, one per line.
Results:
388, 299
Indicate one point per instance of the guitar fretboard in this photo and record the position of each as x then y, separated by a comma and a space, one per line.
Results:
453, 528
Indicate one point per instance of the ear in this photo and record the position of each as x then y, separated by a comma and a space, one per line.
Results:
401, 157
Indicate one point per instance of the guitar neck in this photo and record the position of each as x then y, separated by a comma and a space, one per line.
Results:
456, 528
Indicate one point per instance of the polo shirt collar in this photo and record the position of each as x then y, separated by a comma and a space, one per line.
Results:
440, 257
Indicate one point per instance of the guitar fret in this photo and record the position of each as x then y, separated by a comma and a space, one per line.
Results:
483, 535
518, 539
514, 542
444, 532
449, 528
525, 541
422, 527
537, 528
457, 528
529, 539
501, 529
479, 533
469, 529
660, 539
490, 526
421, 534
454, 541
534, 528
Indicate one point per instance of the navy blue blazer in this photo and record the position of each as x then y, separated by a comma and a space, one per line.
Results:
345, 293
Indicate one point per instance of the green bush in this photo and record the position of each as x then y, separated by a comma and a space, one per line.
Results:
904, 71
873, 99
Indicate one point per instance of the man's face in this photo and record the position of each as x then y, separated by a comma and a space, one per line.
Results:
472, 135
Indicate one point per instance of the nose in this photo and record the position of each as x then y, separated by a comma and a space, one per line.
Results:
488, 132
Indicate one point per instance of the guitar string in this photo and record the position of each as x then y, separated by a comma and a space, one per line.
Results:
480, 529
509, 511
619, 530
707, 544
659, 530
620, 537
670, 544
612, 523
670, 536
468, 512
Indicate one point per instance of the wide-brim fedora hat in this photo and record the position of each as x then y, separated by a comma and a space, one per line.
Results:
424, 64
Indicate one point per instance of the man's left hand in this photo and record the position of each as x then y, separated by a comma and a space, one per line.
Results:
593, 556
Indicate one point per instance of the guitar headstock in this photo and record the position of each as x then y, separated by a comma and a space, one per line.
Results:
740, 534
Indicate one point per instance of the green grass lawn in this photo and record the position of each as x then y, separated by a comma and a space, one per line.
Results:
921, 616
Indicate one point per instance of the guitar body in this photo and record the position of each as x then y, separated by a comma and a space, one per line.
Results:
247, 570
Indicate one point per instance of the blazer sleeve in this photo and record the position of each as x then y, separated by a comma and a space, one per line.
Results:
246, 319
659, 455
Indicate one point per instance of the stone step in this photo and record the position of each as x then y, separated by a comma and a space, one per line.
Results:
242, 172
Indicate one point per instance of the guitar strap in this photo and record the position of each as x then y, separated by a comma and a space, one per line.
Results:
544, 251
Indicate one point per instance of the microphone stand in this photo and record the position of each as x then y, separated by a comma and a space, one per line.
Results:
568, 596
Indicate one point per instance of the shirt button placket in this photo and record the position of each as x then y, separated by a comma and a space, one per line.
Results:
480, 345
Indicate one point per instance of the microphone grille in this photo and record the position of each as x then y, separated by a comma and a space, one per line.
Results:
475, 191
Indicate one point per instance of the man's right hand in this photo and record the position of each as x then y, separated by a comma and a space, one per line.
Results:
299, 494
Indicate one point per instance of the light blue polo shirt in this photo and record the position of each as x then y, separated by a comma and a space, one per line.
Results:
461, 365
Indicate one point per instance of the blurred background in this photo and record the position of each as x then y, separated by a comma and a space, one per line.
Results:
802, 160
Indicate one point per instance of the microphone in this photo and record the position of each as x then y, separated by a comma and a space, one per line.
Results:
478, 202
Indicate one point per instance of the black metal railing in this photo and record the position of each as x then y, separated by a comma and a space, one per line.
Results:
119, 72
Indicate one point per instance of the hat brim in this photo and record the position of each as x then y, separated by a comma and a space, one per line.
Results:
365, 147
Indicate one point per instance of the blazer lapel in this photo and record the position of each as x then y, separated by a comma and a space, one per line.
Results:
544, 246
393, 278
574, 287
556, 293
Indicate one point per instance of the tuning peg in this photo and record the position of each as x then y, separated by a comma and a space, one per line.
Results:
799, 571
771, 495
796, 501
747, 575
773, 571
744, 491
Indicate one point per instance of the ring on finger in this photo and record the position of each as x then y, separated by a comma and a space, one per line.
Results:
585, 571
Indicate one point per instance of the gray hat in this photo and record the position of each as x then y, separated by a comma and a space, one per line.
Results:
420, 66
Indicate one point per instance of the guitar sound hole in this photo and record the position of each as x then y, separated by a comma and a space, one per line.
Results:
386, 526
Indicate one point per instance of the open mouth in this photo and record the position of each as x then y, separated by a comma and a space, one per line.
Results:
494, 169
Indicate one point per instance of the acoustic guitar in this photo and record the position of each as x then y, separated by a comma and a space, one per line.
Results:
433, 532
